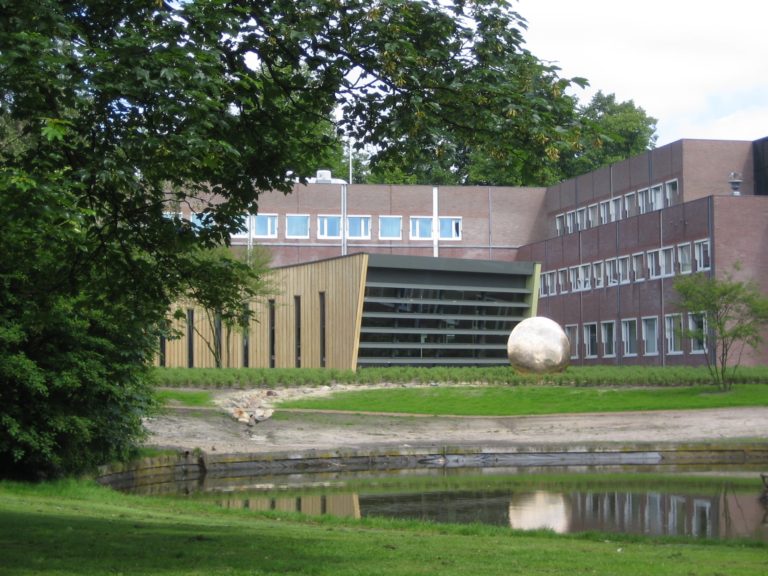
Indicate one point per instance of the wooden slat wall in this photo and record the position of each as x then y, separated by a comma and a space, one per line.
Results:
342, 280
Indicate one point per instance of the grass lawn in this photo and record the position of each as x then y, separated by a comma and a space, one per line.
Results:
187, 398
73, 528
522, 400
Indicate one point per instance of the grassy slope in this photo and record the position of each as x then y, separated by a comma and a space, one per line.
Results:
521, 400
74, 528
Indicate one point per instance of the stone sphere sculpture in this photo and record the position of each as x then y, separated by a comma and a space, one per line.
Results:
538, 345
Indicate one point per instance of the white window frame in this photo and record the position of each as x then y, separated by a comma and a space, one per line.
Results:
415, 229
243, 234
592, 216
611, 272
643, 201
560, 224
456, 227
698, 250
322, 226
399, 227
588, 340
572, 331
667, 261
652, 262
655, 197
617, 208
682, 249
695, 348
574, 278
570, 219
604, 339
597, 274
552, 282
585, 276
646, 320
623, 265
288, 218
272, 223
365, 221
562, 280
543, 291
630, 204
638, 266
671, 192
674, 341
605, 211
625, 340
581, 219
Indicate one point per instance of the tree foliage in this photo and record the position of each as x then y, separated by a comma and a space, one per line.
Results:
735, 313
119, 112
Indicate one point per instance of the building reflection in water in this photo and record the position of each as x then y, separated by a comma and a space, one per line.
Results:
724, 515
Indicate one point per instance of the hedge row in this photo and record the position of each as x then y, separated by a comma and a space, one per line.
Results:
499, 375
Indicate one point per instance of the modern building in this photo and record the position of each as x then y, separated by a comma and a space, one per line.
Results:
609, 245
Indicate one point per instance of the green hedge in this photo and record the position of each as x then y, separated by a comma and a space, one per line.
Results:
499, 375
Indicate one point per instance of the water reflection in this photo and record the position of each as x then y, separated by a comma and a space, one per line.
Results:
719, 515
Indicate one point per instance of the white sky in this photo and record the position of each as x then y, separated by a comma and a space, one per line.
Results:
700, 68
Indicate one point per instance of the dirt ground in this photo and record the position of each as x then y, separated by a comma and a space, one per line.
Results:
214, 430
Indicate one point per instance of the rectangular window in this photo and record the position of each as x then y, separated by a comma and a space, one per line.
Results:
552, 283
655, 198
560, 224
597, 274
297, 329
697, 324
684, 258
605, 212
359, 227
421, 227
638, 266
572, 331
701, 253
570, 218
630, 204
573, 275
265, 226
590, 340
390, 227
562, 280
450, 228
543, 291
243, 223
199, 220
667, 261
629, 336
643, 201
581, 218
329, 226
592, 218
608, 337
297, 225
617, 206
651, 336
652, 259
671, 193
611, 272
585, 276
623, 270
673, 330
321, 311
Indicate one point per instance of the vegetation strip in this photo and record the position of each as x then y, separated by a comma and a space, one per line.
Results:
77, 528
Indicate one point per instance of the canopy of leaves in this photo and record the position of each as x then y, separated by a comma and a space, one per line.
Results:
114, 114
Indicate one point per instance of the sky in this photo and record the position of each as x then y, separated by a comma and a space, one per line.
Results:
699, 68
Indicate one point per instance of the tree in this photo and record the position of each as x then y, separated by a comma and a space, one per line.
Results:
612, 131
734, 313
122, 111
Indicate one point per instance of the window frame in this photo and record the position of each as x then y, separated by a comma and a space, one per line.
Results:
638, 269
322, 226
598, 276
669, 330
625, 342
695, 349
611, 272
588, 342
623, 262
603, 325
646, 320
699, 255
413, 221
680, 249
574, 342
455, 235
288, 218
272, 222
366, 233
399, 227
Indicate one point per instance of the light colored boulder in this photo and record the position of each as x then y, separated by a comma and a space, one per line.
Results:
538, 345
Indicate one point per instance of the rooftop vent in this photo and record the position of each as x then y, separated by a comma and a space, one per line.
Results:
324, 176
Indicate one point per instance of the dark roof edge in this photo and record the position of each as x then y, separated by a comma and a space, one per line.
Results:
449, 264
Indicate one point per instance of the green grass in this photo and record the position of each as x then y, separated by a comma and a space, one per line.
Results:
532, 400
73, 528
189, 398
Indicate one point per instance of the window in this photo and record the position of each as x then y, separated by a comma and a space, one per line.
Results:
655, 198
359, 227
592, 220
421, 227
450, 228
560, 224
652, 259
608, 337
572, 331
543, 290
667, 261
671, 193
651, 336
643, 201
562, 280
630, 205
552, 283
590, 340
297, 226
390, 227
611, 272
585, 276
265, 226
569, 221
597, 273
673, 330
573, 275
581, 218
629, 336
243, 223
617, 206
605, 212
697, 324
701, 253
329, 226
684, 258
623, 270
638, 266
